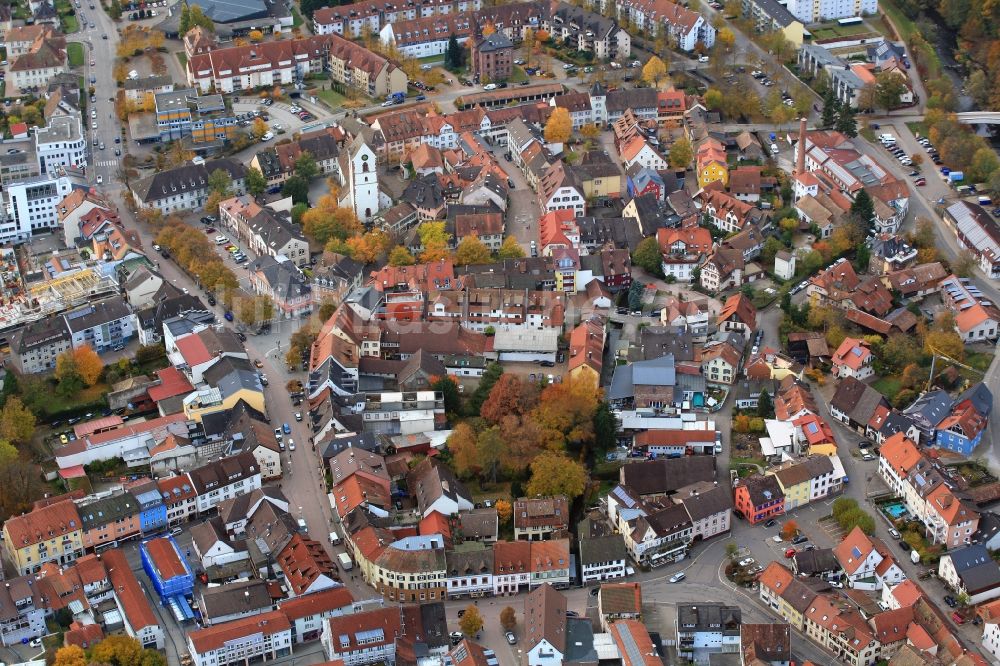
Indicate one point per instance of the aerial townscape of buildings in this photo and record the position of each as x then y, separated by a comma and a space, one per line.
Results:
454, 333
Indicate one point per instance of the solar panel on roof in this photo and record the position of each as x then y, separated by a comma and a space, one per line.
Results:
813, 428
856, 552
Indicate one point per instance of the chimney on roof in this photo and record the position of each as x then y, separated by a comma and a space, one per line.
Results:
800, 164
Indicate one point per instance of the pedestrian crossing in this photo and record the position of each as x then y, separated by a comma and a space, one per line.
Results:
107, 163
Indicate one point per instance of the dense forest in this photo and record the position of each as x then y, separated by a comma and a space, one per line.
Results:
976, 24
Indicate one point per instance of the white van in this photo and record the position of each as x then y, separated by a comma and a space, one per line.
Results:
334, 538
345, 561
774, 149
221, 240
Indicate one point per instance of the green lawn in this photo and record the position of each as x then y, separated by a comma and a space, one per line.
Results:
887, 386
918, 128
182, 59
432, 59
518, 75
834, 29
69, 24
74, 50
297, 19
333, 98
903, 24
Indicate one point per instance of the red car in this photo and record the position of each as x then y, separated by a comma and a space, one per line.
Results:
957, 618
920, 182
790, 553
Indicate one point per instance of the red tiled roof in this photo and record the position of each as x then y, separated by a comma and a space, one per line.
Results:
90, 427
166, 558
215, 637
172, 383
193, 349
138, 612
42, 524
316, 603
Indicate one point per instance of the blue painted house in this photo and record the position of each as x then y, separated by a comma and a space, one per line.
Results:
170, 573
962, 429
152, 510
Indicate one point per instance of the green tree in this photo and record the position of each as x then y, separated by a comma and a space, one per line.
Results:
185, 19
220, 182
831, 108
555, 473
983, 165
888, 88
635, 293
306, 167
489, 448
605, 428
681, 154
863, 210
435, 240
255, 182
846, 124
400, 256
448, 387
647, 256
116, 10
510, 249
297, 188
198, 18
455, 55
17, 422
472, 251
765, 406
713, 99
486, 382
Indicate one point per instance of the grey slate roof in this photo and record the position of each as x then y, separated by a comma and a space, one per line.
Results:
233, 598
594, 550
977, 570
95, 314
705, 504
183, 179
929, 409
981, 397
654, 372
285, 279
230, 375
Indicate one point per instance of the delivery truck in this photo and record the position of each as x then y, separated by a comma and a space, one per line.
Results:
345, 561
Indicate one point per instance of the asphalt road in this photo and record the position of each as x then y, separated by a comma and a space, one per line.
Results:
98, 56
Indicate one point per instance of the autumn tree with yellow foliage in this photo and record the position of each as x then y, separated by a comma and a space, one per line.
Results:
560, 126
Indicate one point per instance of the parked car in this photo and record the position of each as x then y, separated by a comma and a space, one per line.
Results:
801, 538
957, 617
511, 638
893, 533
905, 546
790, 553
678, 577
771, 523
950, 600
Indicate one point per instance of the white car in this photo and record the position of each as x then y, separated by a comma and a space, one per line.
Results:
747, 562
703, 59
490, 86
100, 179
777, 538
678, 577
267, 136
388, 102
291, 444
